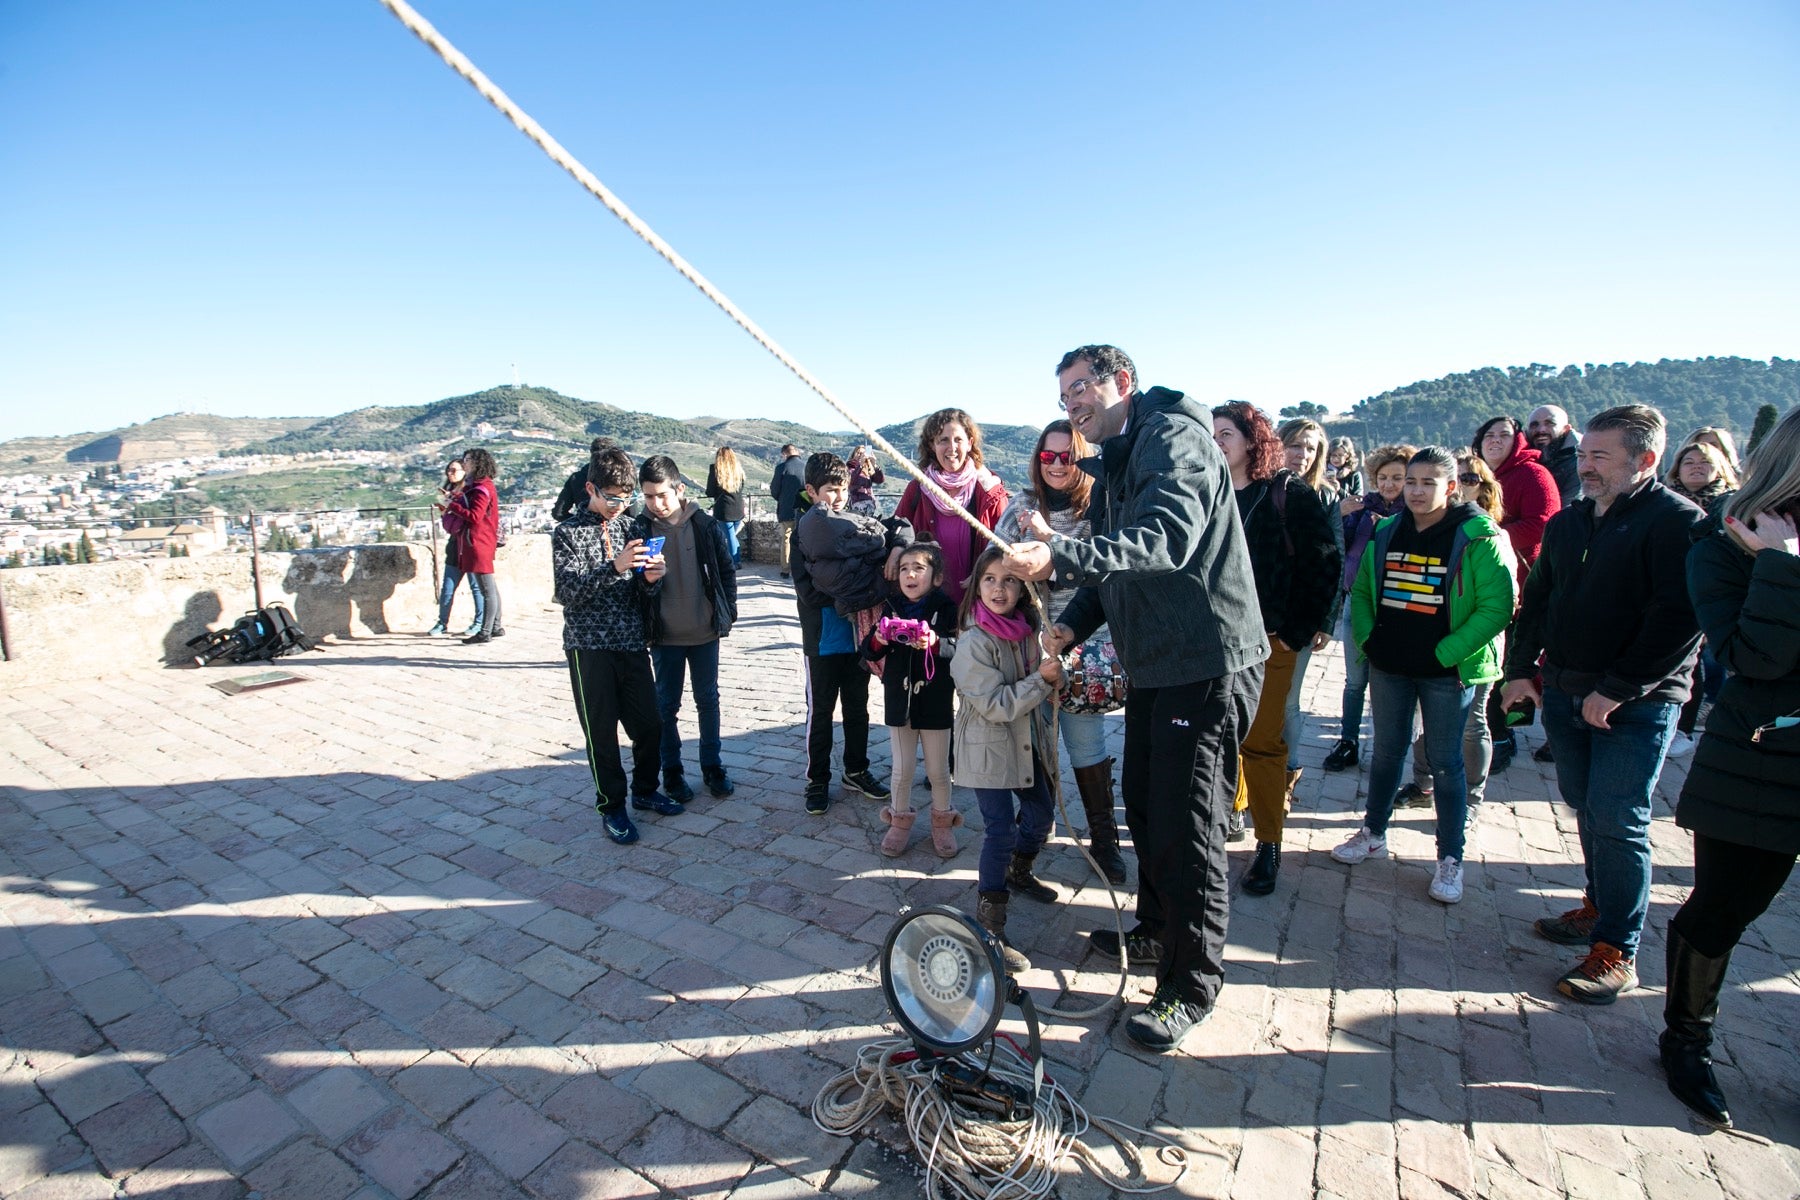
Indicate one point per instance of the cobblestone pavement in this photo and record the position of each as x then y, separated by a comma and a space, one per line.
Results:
362, 936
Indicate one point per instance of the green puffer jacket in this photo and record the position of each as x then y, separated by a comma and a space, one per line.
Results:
1482, 595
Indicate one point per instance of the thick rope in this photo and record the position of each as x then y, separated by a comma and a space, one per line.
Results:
974, 1155
457, 61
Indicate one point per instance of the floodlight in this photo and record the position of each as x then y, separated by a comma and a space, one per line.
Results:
946, 984
944, 979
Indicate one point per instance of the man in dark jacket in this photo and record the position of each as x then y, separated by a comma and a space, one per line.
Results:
787, 486
574, 497
1607, 606
1557, 443
1168, 571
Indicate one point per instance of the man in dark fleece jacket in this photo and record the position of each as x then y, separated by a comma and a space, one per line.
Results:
1607, 606
1557, 443
1168, 571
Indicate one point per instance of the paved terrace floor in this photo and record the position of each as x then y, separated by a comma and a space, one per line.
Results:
362, 936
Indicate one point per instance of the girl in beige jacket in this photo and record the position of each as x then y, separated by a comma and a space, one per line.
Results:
1003, 748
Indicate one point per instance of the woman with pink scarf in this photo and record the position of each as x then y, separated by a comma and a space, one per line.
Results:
950, 454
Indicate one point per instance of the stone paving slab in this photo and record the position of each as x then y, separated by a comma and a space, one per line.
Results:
363, 936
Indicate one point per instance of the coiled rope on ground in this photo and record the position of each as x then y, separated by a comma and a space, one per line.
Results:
972, 1155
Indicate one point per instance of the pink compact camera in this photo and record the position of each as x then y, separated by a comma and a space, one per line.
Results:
905, 630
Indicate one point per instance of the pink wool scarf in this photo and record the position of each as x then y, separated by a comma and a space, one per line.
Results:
1010, 628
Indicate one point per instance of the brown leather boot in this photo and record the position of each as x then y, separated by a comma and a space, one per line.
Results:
990, 914
1095, 784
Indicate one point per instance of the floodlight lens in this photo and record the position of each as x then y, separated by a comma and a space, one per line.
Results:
942, 979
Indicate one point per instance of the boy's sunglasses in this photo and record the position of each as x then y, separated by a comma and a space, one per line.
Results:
1055, 456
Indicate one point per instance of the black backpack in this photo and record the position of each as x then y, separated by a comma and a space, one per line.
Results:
261, 636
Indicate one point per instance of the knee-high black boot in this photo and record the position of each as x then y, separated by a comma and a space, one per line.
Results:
1095, 783
1690, 1006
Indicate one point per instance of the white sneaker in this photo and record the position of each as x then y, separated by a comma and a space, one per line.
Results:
1361, 845
1446, 886
1681, 745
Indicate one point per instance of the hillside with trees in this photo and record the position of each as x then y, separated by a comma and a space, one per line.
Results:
1689, 392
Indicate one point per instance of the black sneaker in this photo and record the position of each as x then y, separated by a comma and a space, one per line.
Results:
497, 633
675, 787
1142, 948
480, 639
818, 798
660, 804
619, 827
1343, 756
1414, 796
1503, 756
1164, 1021
867, 784
1543, 754
717, 781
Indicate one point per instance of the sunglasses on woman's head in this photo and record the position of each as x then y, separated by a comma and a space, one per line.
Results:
1055, 456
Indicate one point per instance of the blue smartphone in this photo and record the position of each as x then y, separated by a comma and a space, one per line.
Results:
652, 547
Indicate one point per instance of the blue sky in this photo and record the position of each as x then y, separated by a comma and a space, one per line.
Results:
257, 209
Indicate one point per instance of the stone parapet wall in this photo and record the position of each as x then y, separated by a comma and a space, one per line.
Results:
88, 620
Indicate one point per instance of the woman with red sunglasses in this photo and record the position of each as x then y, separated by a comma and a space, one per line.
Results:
1093, 682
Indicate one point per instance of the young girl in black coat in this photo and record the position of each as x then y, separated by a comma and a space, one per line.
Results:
915, 677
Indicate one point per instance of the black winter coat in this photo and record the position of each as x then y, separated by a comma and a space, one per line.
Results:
1607, 603
1166, 568
727, 506
1559, 459
1739, 789
787, 486
1297, 589
912, 699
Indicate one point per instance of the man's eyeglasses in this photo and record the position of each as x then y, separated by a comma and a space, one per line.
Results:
1471, 479
612, 501
1076, 392
1056, 456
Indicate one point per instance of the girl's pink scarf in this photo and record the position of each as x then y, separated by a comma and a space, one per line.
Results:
1010, 628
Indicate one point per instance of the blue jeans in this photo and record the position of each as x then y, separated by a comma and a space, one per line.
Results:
1356, 679
672, 664
1442, 703
1083, 736
453, 575
731, 540
1477, 750
1009, 831
1607, 776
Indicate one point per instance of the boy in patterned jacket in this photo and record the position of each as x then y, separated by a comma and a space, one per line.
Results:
603, 578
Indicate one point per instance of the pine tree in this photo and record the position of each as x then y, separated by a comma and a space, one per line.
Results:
84, 549
1766, 416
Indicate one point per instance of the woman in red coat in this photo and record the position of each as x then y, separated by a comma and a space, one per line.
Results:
1528, 499
1527, 489
950, 454
473, 518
